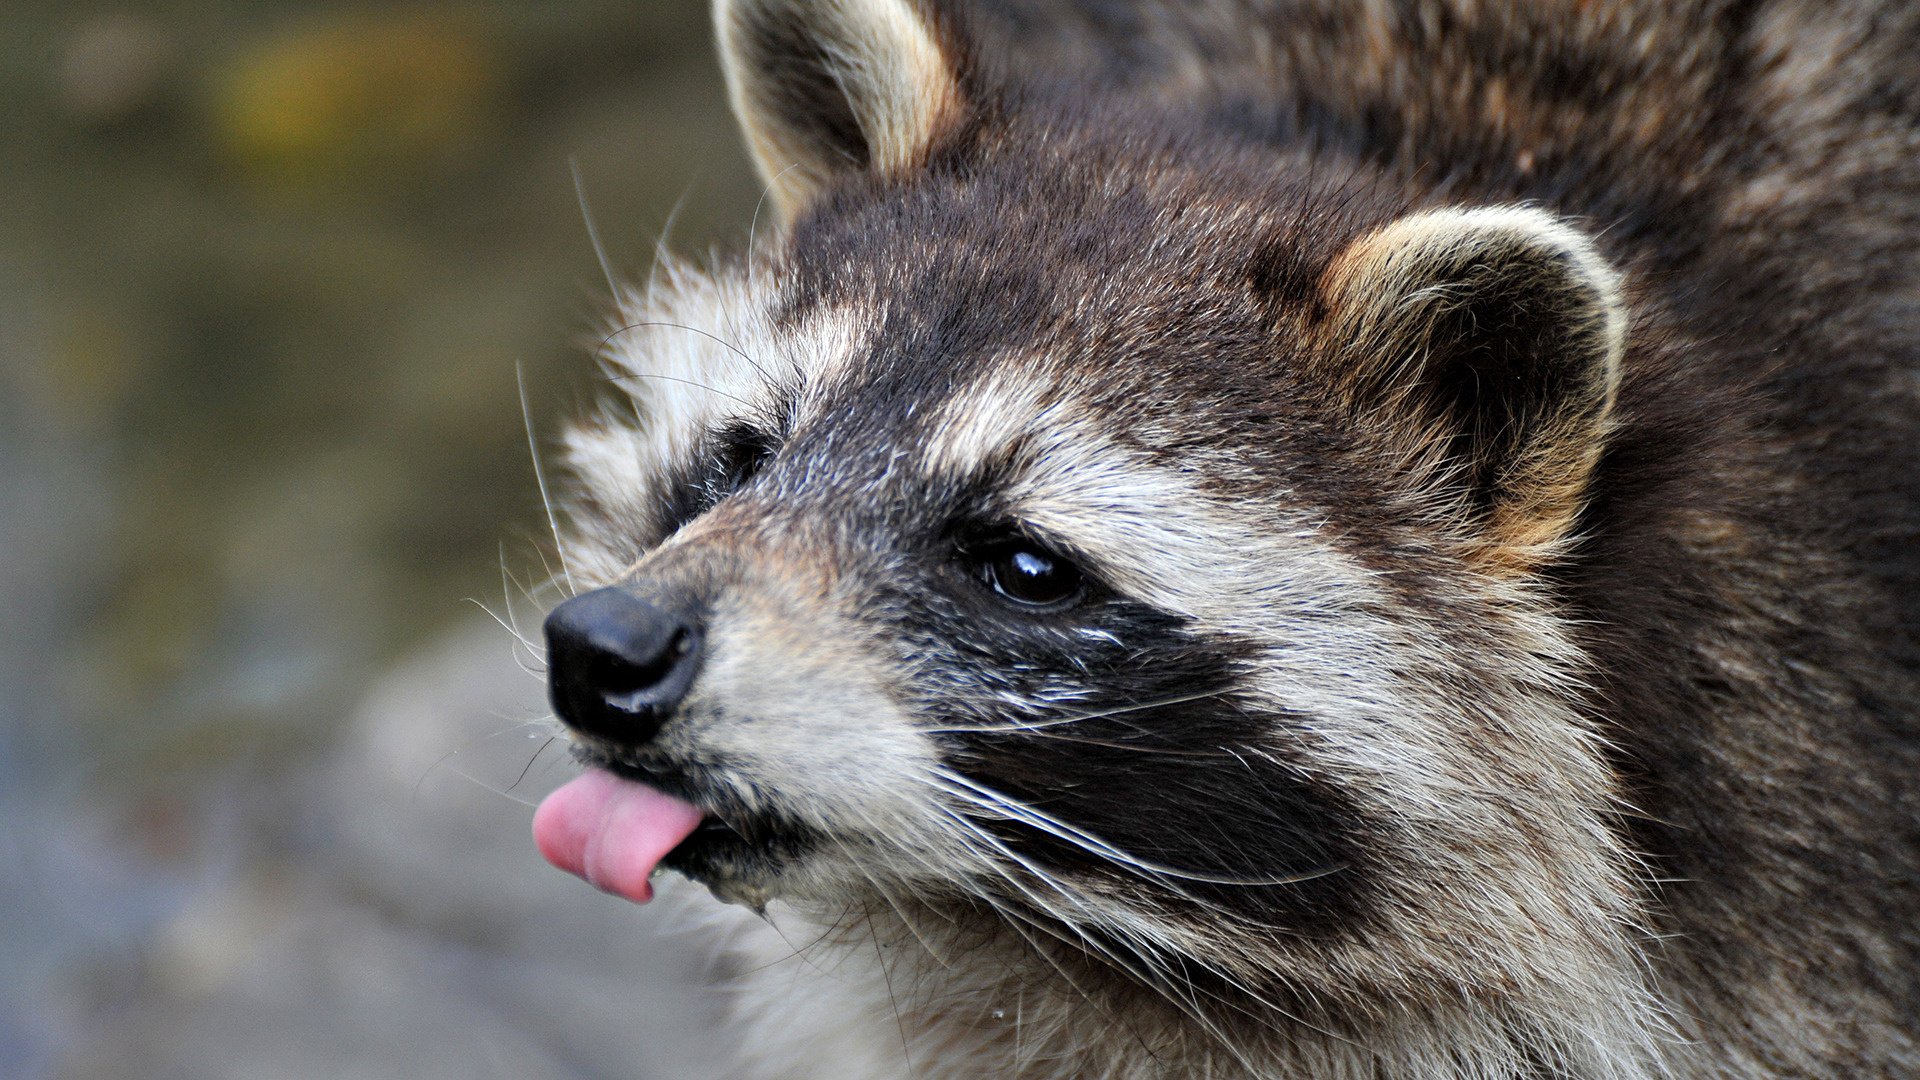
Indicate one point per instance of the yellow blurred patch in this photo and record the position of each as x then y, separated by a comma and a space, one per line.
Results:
369, 100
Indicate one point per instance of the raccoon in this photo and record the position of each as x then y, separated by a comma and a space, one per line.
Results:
1279, 538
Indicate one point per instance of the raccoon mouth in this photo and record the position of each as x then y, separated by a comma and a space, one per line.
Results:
618, 826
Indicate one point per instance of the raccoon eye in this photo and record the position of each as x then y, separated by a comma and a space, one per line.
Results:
741, 452
1027, 573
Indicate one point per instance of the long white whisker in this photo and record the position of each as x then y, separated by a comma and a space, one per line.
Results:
536, 661
540, 477
660, 253
1147, 942
518, 641
1003, 806
753, 224
1145, 950
1041, 725
545, 568
593, 230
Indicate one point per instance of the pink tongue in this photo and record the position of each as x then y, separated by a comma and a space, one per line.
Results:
612, 832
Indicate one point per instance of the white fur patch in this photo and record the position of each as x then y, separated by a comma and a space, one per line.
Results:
688, 354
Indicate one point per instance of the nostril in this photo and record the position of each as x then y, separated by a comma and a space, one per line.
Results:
618, 665
618, 675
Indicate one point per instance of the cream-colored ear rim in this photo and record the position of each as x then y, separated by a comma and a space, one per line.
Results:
1414, 259
823, 87
1398, 299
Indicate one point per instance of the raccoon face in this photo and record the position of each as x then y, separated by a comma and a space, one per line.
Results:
1136, 552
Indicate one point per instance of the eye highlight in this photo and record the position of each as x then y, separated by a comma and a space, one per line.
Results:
1029, 575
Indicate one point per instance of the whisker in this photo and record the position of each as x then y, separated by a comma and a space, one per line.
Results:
1111, 744
546, 568
503, 793
1145, 949
535, 653
518, 642
593, 230
886, 976
683, 382
715, 338
1011, 809
753, 224
442, 760
540, 477
1040, 725
1142, 938
799, 952
551, 739
660, 253
1155, 975
975, 835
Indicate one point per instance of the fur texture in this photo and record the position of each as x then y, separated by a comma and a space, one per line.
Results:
1486, 438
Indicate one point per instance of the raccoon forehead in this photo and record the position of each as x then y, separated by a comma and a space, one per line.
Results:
690, 350
690, 345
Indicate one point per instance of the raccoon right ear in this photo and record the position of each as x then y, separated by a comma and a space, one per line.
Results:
827, 87
1485, 345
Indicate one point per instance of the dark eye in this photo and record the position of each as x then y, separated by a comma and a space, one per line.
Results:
1026, 573
740, 453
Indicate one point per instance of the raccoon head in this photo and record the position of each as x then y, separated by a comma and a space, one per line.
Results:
1079, 524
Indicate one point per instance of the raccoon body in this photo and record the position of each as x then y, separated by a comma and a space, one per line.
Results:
1280, 539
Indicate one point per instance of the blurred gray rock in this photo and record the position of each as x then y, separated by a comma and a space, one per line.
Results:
401, 924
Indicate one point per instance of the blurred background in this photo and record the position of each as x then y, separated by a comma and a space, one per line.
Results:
267, 274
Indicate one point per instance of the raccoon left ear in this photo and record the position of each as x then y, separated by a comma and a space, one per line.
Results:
828, 87
1487, 343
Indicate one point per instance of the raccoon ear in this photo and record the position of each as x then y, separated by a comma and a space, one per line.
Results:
827, 87
1492, 337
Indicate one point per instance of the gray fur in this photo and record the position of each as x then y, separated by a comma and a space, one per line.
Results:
1512, 407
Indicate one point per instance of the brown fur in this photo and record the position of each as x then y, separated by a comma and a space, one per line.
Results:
1514, 406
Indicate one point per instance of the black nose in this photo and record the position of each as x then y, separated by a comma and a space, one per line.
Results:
617, 665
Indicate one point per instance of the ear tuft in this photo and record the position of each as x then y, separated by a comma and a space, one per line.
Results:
828, 87
1493, 338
